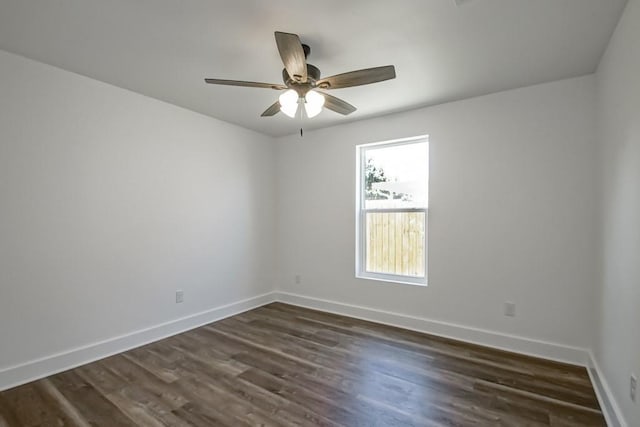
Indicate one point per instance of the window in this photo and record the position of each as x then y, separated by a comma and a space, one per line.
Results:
391, 224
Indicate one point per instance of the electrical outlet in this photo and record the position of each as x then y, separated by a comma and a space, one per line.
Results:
179, 296
298, 279
633, 386
510, 309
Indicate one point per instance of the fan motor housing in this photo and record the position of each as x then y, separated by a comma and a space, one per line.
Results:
313, 75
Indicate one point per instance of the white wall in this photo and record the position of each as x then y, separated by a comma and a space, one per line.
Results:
110, 201
512, 212
618, 88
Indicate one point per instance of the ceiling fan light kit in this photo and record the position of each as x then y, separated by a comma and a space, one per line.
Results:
290, 100
301, 81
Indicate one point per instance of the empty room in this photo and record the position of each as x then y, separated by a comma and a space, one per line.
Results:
329, 213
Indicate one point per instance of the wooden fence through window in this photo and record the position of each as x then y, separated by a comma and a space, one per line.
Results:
395, 243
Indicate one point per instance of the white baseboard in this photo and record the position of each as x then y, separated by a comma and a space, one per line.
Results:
546, 350
35, 369
610, 408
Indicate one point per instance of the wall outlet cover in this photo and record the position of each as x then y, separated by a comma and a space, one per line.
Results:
510, 309
179, 296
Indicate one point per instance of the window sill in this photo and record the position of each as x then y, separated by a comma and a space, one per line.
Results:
401, 280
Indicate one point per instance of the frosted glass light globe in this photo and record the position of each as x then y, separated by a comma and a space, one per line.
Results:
313, 103
289, 102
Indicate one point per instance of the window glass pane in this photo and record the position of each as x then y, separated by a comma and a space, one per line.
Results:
396, 176
395, 243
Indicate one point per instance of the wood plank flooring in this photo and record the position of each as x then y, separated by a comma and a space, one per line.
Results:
281, 365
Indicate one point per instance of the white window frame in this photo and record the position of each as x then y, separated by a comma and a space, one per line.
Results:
361, 223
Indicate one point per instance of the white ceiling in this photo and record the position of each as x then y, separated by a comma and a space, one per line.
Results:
442, 52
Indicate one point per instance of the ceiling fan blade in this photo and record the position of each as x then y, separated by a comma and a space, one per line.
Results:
358, 78
337, 104
245, 84
292, 55
272, 110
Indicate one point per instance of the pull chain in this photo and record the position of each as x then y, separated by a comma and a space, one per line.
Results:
301, 120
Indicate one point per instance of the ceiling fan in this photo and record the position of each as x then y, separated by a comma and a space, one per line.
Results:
301, 81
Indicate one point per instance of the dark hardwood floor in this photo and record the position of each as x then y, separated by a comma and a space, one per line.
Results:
281, 365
